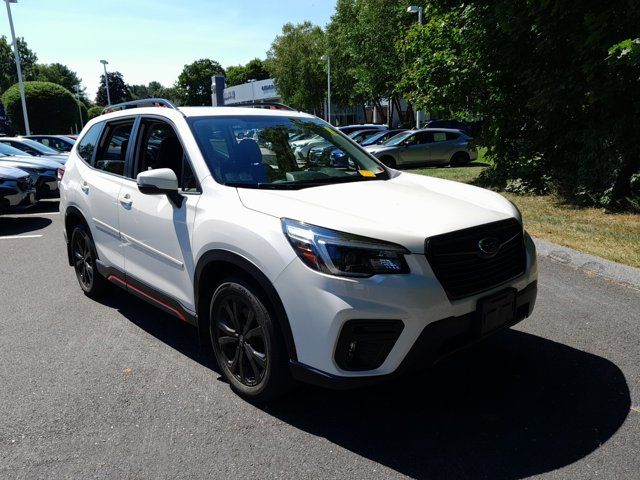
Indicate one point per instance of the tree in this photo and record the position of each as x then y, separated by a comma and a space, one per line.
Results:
118, 90
8, 71
560, 104
363, 35
52, 108
94, 111
63, 76
295, 65
253, 70
195, 81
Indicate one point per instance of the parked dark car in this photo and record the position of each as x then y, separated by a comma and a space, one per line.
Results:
361, 135
347, 129
382, 137
16, 189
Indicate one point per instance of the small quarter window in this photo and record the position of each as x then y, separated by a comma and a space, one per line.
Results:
87, 145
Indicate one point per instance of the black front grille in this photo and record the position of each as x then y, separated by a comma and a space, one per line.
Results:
463, 269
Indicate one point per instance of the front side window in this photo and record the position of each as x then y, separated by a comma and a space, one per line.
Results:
398, 139
112, 149
161, 148
258, 152
87, 144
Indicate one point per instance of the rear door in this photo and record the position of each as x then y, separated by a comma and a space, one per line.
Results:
442, 147
156, 231
100, 180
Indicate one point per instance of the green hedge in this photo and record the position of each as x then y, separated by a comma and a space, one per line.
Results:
51, 108
95, 111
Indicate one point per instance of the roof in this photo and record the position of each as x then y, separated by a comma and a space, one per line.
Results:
203, 112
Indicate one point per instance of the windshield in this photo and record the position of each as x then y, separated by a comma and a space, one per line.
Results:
39, 147
373, 139
8, 150
266, 158
398, 138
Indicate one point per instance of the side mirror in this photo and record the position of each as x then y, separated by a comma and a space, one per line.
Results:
161, 181
158, 181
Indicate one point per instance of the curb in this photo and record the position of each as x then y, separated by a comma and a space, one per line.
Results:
590, 264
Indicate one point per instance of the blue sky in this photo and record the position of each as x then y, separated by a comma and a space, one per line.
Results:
153, 39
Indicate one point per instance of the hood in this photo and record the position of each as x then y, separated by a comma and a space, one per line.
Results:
406, 209
11, 173
33, 162
61, 159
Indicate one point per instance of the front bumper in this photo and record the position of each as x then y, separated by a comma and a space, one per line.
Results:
318, 306
15, 199
47, 187
436, 341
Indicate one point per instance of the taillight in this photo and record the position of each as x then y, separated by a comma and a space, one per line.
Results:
60, 173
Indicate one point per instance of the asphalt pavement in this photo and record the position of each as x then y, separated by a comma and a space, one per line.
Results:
118, 389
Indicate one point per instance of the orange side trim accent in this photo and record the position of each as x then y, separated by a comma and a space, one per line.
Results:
146, 295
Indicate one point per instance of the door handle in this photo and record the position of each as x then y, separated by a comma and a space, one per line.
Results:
84, 186
126, 201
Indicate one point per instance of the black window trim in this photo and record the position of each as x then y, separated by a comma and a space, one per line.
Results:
133, 163
127, 155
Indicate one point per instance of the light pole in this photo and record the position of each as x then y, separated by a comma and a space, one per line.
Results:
106, 80
79, 108
418, 10
18, 67
253, 89
326, 58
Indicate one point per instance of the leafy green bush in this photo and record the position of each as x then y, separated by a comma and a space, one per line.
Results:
51, 108
95, 111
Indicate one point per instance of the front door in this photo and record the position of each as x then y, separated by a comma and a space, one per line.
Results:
157, 231
417, 149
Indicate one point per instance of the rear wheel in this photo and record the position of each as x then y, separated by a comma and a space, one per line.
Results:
83, 253
460, 158
245, 341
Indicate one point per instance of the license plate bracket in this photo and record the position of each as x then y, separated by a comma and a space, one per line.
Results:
495, 311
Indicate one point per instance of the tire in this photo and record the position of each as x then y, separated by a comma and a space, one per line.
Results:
84, 256
389, 162
246, 343
460, 158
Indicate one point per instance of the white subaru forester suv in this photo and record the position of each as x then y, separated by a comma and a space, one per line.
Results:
337, 273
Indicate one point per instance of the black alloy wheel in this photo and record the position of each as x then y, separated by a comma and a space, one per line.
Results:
84, 262
245, 341
241, 340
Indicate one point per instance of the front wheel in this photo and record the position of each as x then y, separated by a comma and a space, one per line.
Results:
246, 343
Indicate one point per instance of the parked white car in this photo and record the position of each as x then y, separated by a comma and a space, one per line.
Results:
332, 275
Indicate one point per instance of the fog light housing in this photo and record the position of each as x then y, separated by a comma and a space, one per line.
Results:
365, 344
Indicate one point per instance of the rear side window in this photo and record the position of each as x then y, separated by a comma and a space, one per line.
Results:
112, 149
87, 145
452, 136
439, 136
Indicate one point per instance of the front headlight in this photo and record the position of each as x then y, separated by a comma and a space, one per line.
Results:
343, 254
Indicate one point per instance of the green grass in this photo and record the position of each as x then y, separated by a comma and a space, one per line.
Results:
615, 237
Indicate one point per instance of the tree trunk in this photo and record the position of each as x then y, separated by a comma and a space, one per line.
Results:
621, 193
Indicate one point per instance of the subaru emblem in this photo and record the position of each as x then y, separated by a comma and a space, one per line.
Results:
489, 246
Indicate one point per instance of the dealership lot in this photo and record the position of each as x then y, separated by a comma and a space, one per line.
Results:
118, 389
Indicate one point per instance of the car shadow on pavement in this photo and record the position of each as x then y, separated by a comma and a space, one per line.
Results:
514, 406
21, 225
179, 335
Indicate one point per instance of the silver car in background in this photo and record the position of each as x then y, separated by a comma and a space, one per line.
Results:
426, 147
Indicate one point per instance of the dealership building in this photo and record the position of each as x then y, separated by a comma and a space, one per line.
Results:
266, 91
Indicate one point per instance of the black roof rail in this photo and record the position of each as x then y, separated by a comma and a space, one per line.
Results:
144, 102
265, 105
